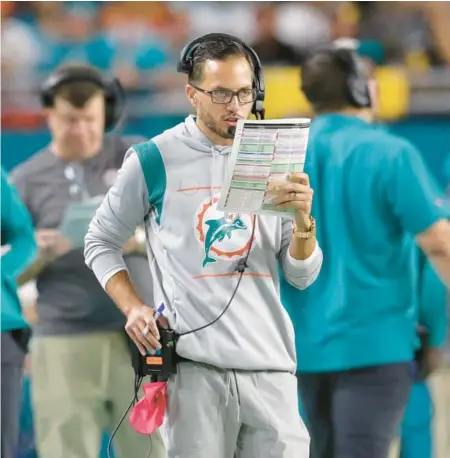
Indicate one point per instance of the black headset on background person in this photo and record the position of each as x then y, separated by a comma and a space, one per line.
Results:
358, 93
113, 90
185, 65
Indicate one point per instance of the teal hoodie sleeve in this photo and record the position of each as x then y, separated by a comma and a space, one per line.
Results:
17, 231
432, 302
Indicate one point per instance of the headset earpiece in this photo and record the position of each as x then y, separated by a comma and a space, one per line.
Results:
113, 90
357, 81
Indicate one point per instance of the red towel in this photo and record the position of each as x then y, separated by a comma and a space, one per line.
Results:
147, 415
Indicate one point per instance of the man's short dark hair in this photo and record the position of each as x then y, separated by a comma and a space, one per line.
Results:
324, 82
217, 49
77, 93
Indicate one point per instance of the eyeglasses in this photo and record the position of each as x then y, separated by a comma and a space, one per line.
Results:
224, 96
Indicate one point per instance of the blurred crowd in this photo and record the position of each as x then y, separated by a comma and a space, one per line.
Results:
138, 40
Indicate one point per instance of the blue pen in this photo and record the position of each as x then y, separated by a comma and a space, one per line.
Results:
158, 313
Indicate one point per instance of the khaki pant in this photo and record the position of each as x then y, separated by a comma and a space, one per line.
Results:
81, 386
440, 388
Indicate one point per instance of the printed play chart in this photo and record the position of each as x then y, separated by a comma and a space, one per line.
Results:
264, 152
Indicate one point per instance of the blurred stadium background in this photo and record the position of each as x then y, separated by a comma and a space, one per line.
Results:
140, 41
407, 42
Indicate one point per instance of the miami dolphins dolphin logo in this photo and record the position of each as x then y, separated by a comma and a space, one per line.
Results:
222, 236
218, 229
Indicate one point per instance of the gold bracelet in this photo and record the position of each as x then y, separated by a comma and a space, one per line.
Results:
309, 234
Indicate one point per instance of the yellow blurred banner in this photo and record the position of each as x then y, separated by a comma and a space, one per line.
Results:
284, 98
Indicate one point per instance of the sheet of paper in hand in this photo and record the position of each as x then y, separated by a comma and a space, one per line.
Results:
77, 218
264, 153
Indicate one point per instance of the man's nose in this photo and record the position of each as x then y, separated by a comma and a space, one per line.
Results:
234, 103
79, 128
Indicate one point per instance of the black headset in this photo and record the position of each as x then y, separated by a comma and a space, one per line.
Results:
113, 90
358, 93
185, 65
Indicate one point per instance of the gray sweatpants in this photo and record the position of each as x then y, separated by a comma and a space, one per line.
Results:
225, 414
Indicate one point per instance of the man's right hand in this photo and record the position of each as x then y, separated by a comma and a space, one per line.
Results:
142, 329
52, 244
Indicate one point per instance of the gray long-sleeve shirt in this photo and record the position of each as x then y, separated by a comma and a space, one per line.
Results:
70, 300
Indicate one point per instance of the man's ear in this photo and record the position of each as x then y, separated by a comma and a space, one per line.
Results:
46, 112
373, 89
191, 94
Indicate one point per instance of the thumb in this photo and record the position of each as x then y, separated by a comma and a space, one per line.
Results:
163, 322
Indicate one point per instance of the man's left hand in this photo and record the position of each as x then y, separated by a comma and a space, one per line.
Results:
297, 194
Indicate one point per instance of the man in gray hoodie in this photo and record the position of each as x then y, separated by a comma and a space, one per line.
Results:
237, 395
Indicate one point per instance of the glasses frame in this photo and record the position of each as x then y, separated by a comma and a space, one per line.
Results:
233, 94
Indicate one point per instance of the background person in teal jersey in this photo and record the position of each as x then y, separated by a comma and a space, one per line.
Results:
18, 251
439, 380
416, 436
356, 326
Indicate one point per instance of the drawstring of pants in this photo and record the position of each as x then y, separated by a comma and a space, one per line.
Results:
236, 389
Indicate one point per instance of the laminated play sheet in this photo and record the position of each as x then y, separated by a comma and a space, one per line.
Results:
264, 153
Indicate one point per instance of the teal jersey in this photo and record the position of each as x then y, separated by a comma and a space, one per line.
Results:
372, 194
19, 249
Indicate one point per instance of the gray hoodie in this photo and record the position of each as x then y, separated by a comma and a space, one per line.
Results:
173, 184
